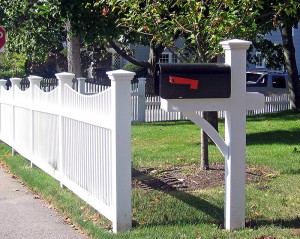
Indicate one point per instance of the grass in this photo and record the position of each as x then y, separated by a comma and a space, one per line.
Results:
272, 206
168, 143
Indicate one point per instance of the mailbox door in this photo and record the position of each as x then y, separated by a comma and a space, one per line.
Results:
173, 81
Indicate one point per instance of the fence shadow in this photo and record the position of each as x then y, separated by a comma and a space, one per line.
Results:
285, 115
293, 223
277, 136
214, 212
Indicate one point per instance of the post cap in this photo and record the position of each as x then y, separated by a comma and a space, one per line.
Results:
235, 44
120, 74
15, 79
32, 78
64, 74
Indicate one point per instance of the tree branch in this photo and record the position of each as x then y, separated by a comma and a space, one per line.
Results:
126, 56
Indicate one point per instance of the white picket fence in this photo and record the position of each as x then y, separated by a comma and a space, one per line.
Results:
81, 137
82, 141
147, 108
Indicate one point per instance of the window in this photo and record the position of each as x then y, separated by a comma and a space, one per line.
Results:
174, 59
279, 82
168, 57
260, 61
164, 58
252, 77
262, 81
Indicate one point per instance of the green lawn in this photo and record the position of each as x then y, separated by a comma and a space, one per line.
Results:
272, 206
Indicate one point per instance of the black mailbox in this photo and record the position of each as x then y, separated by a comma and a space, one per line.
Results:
190, 81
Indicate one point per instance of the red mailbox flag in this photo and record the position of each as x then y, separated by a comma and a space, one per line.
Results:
2, 37
184, 81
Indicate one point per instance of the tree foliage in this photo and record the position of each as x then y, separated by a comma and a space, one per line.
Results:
271, 52
32, 28
284, 15
203, 24
12, 64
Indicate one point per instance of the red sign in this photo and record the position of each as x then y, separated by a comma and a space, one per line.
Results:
2, 37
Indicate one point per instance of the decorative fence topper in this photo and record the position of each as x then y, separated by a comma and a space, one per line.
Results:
226, 91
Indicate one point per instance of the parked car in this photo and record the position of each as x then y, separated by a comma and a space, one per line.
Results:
267, 83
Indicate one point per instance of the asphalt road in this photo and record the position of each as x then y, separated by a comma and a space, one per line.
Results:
22, 215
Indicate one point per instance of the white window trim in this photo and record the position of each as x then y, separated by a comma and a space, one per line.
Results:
170, 56
263, 62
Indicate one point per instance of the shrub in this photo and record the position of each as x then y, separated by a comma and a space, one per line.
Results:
10, 74
140, 71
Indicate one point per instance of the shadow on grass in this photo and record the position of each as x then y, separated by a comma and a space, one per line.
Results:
293, 223
282, 116
294, 171
271, 137
165, 123
214, 212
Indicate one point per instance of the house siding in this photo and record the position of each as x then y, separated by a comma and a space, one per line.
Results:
275, 36
141, 52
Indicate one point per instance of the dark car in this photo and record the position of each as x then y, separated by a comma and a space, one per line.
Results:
267, 83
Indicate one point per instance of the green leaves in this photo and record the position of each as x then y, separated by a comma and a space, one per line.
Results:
211, 21
34, 28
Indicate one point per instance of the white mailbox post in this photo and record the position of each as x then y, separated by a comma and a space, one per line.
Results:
233, 147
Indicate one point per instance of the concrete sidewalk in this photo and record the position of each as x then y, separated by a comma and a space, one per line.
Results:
22, 216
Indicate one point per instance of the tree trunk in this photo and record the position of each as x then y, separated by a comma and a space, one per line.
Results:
154, 55
212, 118
204, 146
291, 66
73, 51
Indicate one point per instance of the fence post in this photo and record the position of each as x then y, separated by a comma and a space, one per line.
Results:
2, 87
81, 85
34, 81
15, 83
63, 78
141, 100
121, 148
235, 137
